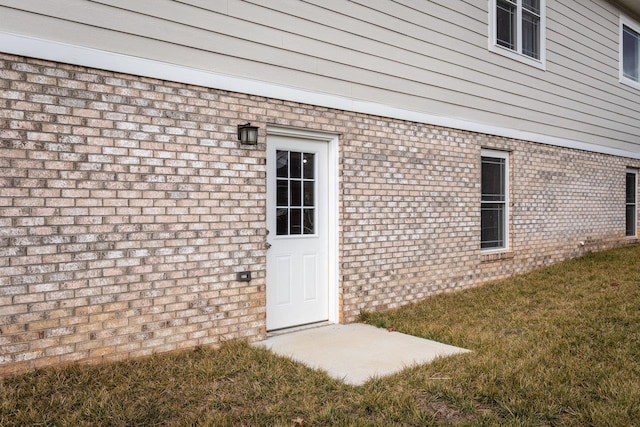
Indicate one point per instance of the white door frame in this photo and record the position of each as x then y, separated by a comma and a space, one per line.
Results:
333, 205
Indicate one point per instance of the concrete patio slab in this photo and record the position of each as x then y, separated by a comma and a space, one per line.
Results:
356, 352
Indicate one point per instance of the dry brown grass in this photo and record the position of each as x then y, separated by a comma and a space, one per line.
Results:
559, 346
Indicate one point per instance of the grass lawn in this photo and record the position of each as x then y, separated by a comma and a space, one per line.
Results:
559, 346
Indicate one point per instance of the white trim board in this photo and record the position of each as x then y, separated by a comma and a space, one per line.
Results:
78, 55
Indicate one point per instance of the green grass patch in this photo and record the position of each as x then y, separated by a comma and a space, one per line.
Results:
559, 346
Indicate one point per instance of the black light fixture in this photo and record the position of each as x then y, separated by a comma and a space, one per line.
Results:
248, 134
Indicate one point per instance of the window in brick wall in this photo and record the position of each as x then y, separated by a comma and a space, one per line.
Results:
631, 203
494, 200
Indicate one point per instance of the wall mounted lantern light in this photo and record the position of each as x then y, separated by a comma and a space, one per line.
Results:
248, 134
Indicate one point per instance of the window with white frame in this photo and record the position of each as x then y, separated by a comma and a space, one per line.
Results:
632, 203
494, 200
517, 29
629, 52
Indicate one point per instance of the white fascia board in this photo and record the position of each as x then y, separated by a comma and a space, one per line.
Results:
79, 55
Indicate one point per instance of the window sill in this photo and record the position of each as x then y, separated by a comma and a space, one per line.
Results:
496, 256
503, 51
628, 82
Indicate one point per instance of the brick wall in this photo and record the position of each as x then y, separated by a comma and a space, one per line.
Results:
127, 206
411, 220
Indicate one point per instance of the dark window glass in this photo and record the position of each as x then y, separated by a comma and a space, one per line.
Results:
309, 221
493, 203
519, 26
631, 187
282, 164
531, 6
493, 181
308, 162
630, 54
631, 221
492, 226
282, 193
296, 193
531, 35
309, 193
295, 187
295, 223
282, 222
631, 204
506, 24
295, 165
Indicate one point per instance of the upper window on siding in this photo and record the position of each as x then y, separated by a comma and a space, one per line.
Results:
517, 30
629, 52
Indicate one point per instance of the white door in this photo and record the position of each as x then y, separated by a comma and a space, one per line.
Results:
297, 224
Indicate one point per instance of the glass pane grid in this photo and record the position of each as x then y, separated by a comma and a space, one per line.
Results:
295, 193
519, 26
493, 203
631, 205
492, 227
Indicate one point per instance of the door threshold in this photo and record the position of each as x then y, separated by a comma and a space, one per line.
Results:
288, 330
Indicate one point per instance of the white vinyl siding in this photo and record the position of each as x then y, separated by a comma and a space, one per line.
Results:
425, 56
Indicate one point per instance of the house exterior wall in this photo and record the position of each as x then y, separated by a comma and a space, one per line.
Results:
411, 211
127, 207
127, 210
429, 57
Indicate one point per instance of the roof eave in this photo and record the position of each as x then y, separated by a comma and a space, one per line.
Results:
632, 6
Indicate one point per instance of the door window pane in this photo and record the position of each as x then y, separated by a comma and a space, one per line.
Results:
282, 222
296, 192
309, 193
309, 165
295, 187
282, 192
309, 221
295, 221
282, 164
295, 164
